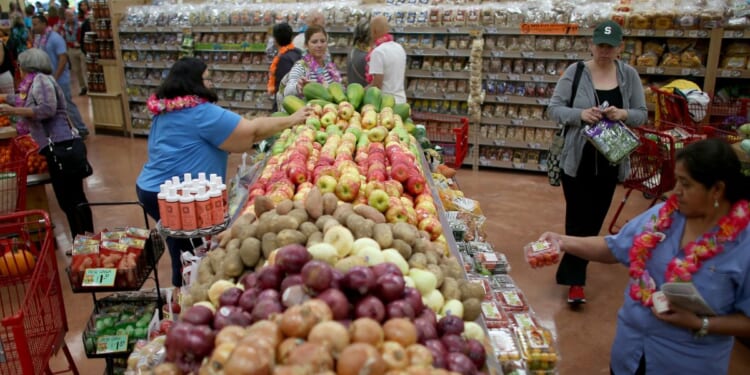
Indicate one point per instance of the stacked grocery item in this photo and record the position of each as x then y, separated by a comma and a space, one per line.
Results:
190, 205
519, 340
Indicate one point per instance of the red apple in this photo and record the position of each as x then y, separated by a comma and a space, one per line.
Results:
372, 186
422, 213
400, 172
415, 185
395, 214
298, 174
432, 226
376, 175
406, 201
393, 188
427, 206
426, 196
347, 187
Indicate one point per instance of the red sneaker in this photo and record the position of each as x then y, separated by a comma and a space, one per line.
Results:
575, 295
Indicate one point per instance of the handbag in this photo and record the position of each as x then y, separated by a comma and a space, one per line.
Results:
69, 159
558, 141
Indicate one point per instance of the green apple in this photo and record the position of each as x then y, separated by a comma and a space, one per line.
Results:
434, 300
340, 238
326, 184
393, 256
363, 242
377, 134
321, 137
324, 252
453, 307
354, 130
329, 118
425, 281
313, 121
378, 199
333, 129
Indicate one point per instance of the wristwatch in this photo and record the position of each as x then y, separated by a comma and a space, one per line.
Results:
704, 327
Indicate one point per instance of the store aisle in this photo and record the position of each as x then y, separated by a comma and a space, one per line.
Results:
518, 206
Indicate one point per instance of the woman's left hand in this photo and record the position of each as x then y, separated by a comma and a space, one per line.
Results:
6, 110
679, 317
615, 114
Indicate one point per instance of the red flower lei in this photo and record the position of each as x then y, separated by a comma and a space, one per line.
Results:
158, 106
379, 41
642, 287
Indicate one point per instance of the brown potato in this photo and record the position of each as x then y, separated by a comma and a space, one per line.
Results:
472, 309
284, 207
383, 235
290, 236
308, 228
369, 213
268, 244
262, 204
403, 248
250, 251
330, 202
314, 203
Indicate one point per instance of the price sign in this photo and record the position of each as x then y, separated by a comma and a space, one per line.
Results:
544, 101
124, 29
654, 70
571, 56
686, 71
215, 29
514, 77
160, 29
111, 344
490, 30
527, 54
734, 34
99, 277
499, 142
641, 32
417, 51
669, 33
516, 122
453, 30
501, 99
537, 78
438, 74
398, 29
450, 52
149, 65
497, 53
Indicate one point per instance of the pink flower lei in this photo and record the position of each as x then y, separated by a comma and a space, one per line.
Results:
22, 124
319, 71
711, 244
158, 106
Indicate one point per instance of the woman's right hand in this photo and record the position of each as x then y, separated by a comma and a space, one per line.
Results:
591, 115
301, 115
552, 237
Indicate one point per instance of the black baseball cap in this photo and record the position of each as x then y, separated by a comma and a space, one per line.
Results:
608, 32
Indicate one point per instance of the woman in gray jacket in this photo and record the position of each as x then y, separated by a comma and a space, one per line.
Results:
588, 178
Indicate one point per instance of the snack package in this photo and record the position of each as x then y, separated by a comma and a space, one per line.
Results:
512, 300
494, 316
537, 347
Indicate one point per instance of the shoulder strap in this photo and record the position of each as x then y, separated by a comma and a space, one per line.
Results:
576, 80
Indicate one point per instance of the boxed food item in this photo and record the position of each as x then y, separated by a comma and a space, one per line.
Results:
494, 316
541, 253
537, 348
512, 300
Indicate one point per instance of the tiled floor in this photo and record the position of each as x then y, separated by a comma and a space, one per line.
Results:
518, 206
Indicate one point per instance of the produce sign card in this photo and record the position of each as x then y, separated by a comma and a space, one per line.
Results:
111, 344
99, 277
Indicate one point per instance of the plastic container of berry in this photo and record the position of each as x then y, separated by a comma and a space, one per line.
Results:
541, 253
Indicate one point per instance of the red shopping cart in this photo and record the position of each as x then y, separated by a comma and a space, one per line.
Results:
451, 132
34, 323
13, 168
652, 166
673, 110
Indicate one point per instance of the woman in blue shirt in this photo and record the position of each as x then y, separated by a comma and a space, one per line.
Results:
699, 235
191, 134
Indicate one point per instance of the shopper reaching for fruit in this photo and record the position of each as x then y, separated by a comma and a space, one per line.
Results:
191, 134
699, 236
588, 178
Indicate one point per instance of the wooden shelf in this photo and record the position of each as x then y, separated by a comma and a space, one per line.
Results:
103, 94
240, 67
438, 52
106, 62
149, 47
416, 73
671, 71
543, 124
515, 144
733, 73
232, 29
543, 55
148, 65
514, 99
437, 96
529, 167
522, 77
150, 29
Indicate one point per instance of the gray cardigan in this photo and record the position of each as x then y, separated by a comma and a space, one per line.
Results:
633, 99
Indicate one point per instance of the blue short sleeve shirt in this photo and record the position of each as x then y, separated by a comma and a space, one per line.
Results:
187, 141
723, 281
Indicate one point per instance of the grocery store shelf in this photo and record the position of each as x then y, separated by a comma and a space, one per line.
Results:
669, 33
438, 52
143, 82
733, 73
544, 124
417, 73
531, 167
515, 144
737, 34
150, 29
137, 99
147, 65
671, 71
230, 29
150, 47
140, 131
437, 96
545, 55
239, 86
514, 99
245, 105
240, 67
523, 77
140, 115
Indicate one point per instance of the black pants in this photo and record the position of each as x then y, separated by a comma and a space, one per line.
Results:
69, 193
175, 245
587, 200
641, 367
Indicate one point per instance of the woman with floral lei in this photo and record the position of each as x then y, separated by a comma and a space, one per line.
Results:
699, 235
191, 134
314, 66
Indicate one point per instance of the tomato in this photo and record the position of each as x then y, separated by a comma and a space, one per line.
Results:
17, 263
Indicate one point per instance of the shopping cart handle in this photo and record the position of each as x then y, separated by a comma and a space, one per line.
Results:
13, 320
